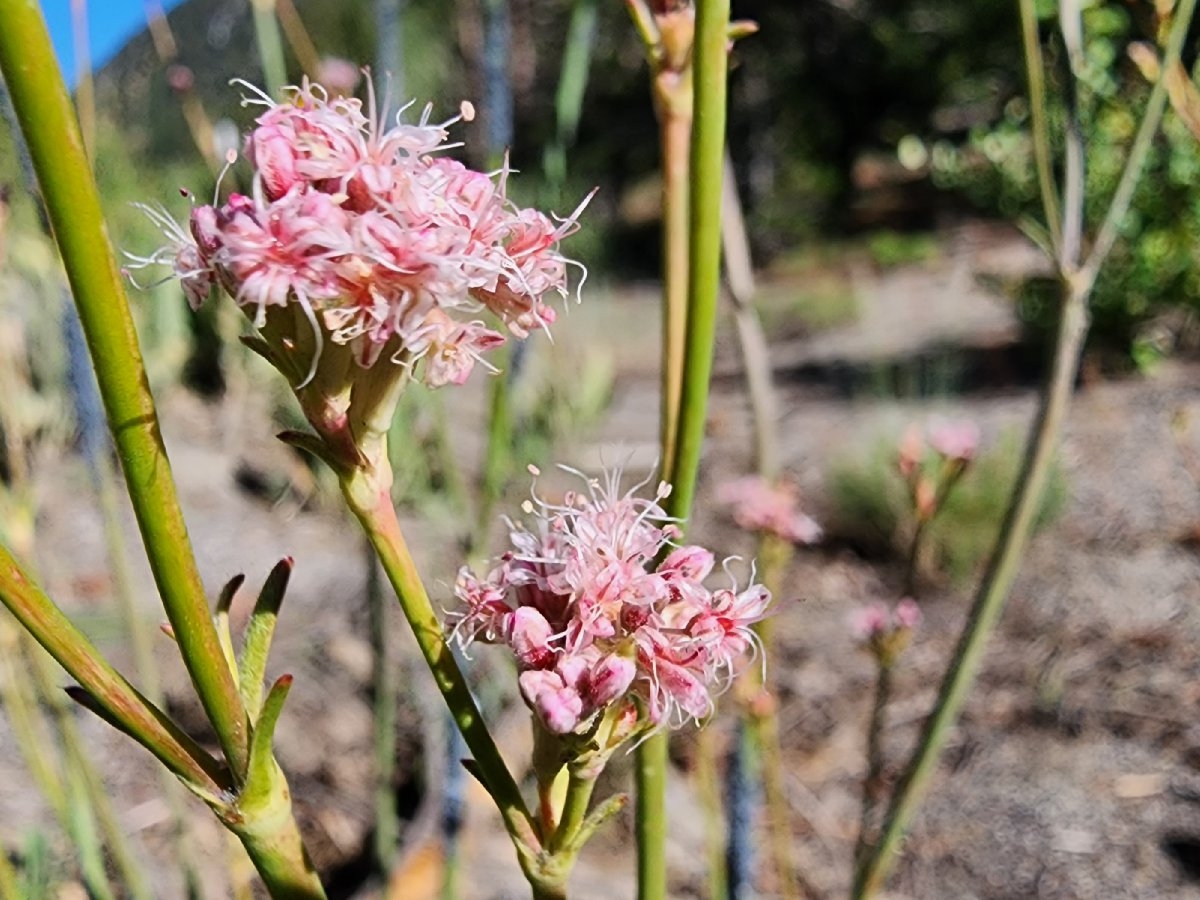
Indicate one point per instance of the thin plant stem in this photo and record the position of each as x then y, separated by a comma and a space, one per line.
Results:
708, 785
389, 41
73, 206
873, 782
710, 55
568, 99
372, 506
756, 355
574, 810
298, 37
675, 130
762, 718
912, 570
1035, 73
741, 849
270, 44
139, 632
1035, 471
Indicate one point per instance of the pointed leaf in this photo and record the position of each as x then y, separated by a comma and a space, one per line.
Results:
221, 618
260, 776
256, 646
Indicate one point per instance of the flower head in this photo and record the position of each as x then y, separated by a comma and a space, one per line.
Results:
359, 230
598, 618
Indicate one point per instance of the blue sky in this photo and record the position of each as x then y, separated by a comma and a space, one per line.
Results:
111, 23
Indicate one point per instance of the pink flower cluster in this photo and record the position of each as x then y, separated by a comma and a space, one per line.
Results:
875, 620
759, 505
380, 242
593, 621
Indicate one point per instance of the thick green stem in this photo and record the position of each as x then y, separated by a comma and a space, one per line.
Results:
267, 829
710, 54
371, 504
73, 206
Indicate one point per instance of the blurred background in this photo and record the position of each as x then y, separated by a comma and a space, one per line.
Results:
882, 156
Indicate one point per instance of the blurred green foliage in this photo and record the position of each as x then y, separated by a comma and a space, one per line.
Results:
889, 249
1152, 272
871, 508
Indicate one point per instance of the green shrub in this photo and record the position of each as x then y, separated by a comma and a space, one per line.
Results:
1152, 269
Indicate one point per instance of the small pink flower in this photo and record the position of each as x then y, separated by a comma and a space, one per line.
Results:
759, 505
955, 440
907, 614
870, 621
556, 704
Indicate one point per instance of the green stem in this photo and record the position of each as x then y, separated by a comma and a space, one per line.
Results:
73, 206
708, 786
372, 506
270, 45
144, 664
1035, 73
574, 811
989, 601
710, 55
914, 555
387, 826
272, 841
873, 782
762, 721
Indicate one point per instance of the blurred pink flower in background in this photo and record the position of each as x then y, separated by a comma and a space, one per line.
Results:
876, 620
592, 620
870, 620
955, 439
340, 76
759, 505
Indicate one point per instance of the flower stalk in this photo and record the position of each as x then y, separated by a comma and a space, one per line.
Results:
685, 62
